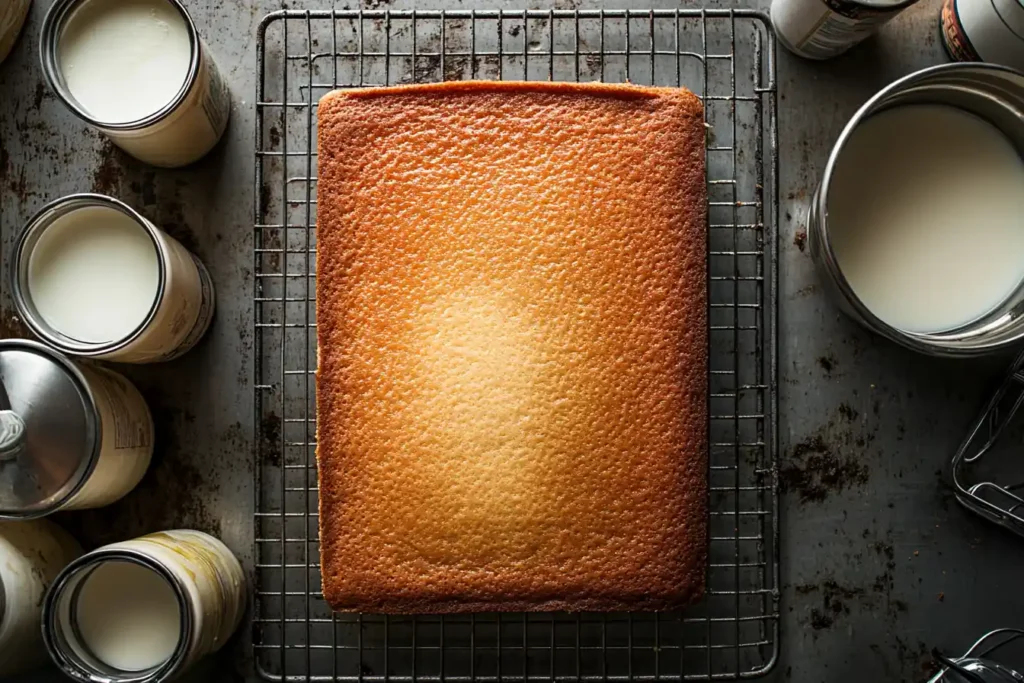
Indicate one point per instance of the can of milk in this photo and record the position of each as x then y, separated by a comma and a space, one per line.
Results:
32, 554
984, 31
72, 435
144, 610
93, 277
820, 29
113, 64
993, 94
12, 18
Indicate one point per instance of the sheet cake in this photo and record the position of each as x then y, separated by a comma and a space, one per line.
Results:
511, 319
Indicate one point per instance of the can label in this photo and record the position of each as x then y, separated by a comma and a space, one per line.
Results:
32, 553
183, 314
188, 132
212, 578
195, 314
819, 29
216, 97
12, 18
954, 37
126, 439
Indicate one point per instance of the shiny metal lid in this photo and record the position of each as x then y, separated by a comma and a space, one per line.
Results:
49, 429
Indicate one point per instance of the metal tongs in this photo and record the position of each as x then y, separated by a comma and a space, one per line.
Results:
998, 502
974, 666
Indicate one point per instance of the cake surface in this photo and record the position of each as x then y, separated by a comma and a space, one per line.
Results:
512, 333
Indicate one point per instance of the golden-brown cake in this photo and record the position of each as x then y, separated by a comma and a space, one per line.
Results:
511, 317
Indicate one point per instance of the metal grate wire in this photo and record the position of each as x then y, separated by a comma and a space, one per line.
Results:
727, 58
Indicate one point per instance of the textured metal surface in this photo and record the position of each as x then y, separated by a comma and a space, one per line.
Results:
725, 57
878, 561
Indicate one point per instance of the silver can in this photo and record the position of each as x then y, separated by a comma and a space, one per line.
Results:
12, 18
72, 436
984, 31
175, 134
996, 95
178, 316
32, 554
820, 29
196, 592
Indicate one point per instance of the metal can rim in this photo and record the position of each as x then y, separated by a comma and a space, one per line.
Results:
94, 427
922, 342
884, 6
163, 672
19, 277
1015, 25
49, 40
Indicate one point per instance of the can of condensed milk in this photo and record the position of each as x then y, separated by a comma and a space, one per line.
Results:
12, 18
144, 610
72, 435
985, 101
32, 554
820, 29
93, 277
139, 73
984, 31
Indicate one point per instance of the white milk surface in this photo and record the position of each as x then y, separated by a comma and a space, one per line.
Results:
128, 616
926, 216
94, 274
123, 60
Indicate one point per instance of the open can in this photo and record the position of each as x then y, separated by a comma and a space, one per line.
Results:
206, 592
177, 134
996, 95
32, 554
71, 436
180, 313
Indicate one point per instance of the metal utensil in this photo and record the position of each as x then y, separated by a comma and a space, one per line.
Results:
975, 666
984, 483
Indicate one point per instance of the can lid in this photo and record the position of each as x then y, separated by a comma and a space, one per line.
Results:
49, 429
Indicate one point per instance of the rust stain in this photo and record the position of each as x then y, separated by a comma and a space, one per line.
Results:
456, 68
12, 326
800, 239
271, 432
834, 599
172, 221
265, 197
806, 290
19, 186
106, 179
41, 93
813, 471
273, 257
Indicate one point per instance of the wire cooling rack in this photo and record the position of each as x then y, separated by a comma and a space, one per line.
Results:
727, 58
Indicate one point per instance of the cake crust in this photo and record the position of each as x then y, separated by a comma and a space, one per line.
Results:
512, 337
